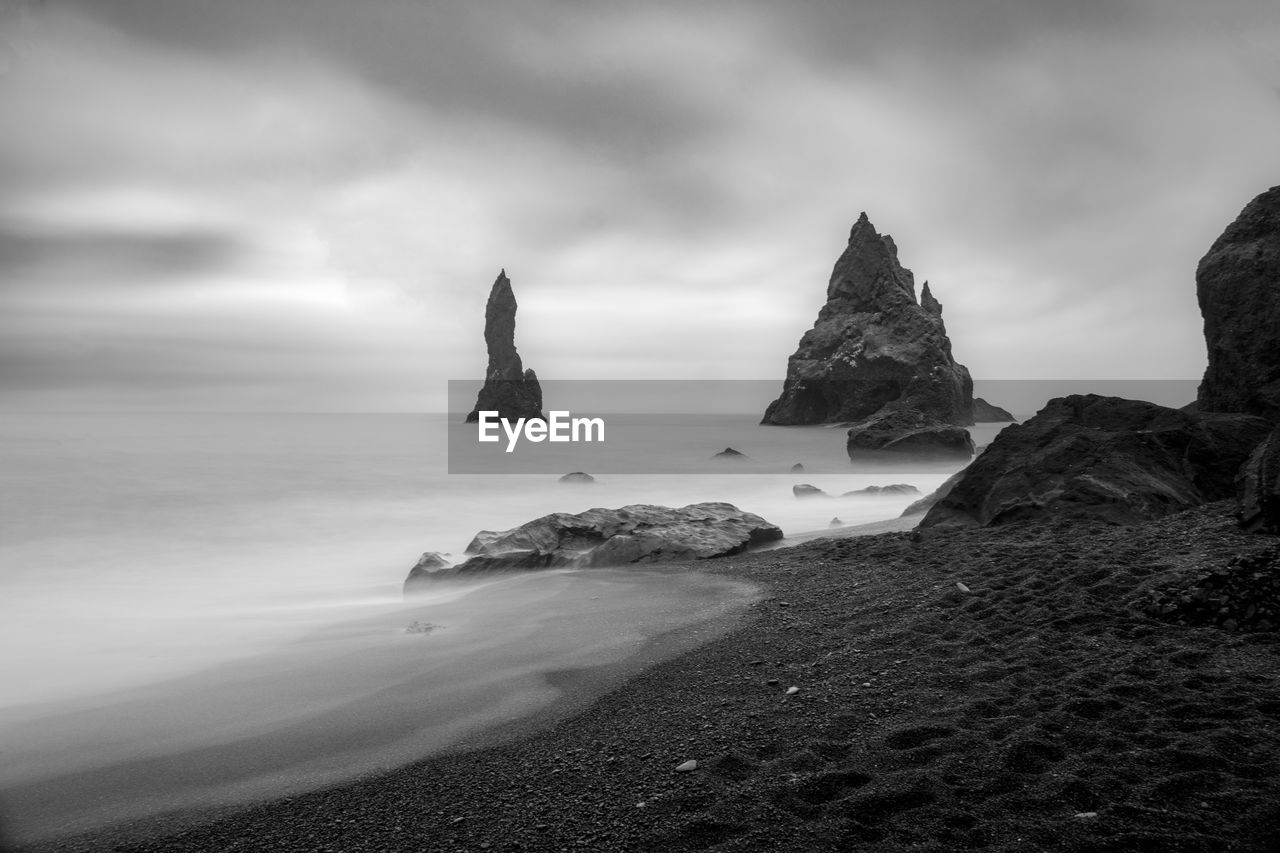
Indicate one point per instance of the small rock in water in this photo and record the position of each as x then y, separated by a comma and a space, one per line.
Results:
836, 522
791, 691
730, 453
1086, 814
417, 627
687, 767
797, 468
577, 477
962, 587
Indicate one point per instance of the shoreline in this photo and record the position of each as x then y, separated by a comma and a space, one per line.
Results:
927, 717
540, 646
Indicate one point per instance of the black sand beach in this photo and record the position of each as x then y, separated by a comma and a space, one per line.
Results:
1036, 708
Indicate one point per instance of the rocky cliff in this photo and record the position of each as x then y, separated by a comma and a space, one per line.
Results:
873, 344
1100, 458
509, 389
1238, 286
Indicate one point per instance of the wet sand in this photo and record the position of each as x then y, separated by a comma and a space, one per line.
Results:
1036, 708
355, 698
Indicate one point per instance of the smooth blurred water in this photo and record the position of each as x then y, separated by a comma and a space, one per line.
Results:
140, 547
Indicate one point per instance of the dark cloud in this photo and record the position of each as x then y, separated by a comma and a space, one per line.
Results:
101, 258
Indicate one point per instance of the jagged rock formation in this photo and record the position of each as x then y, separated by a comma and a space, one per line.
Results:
509, 389
895, 432
987, 413
428, 565
1258, 487
640, 533
1101, 458
872, 345
1238, 286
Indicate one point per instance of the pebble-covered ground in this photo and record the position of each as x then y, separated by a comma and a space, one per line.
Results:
1002, 689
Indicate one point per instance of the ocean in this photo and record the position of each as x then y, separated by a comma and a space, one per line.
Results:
146, 559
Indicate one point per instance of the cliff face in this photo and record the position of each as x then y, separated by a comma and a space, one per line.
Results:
509, 389
873, 345
1238, 287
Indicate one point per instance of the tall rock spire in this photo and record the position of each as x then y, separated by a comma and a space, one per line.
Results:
873, 345
509, 389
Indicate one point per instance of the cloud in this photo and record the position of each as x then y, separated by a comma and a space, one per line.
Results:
311, 200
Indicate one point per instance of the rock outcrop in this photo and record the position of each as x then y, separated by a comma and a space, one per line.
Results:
805, 490
640, 533
427, 568
509, 389
872, 345
987, 413
895, 432
730, 453
1258, 487
1238, 286
580, 477
1100, 458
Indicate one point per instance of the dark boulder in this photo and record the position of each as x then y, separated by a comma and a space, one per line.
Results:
987, 413
1258, 487
509, 389
895, 433
797, 468
640, 533
730, 453
835, 522
577, 477
1238, 287
873, 344
1100, 458
804, 490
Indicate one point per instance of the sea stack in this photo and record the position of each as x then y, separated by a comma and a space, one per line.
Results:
1238, 287
873, 345
509, 389
880, 360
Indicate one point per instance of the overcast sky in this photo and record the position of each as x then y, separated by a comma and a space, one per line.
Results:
302, 204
